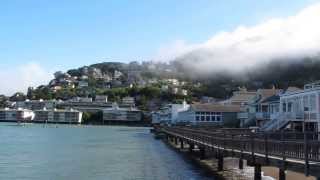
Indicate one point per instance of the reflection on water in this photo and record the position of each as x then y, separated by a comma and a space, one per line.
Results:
35, 152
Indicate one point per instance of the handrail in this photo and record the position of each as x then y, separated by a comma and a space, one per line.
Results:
292, 145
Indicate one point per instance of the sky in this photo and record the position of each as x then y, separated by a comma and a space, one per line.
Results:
38, 38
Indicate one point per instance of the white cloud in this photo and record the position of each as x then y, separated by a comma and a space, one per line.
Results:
174, 50
18, 79
245, 47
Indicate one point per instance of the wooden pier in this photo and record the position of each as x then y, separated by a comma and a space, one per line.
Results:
299, 152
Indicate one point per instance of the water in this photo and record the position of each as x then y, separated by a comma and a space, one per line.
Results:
34, 152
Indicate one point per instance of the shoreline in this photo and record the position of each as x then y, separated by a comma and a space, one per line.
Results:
84, 124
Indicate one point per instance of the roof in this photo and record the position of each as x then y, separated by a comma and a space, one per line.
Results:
121, 109
242, 97
271, 99
239, 97
293, 89
266, 93
215, 108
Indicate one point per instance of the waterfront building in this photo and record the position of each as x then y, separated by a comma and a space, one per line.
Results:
240, 97
116, 114
58, 116
169, 113
270, 110
16, 115
255, 106
210, 114
87, 105
299, 110
207, 100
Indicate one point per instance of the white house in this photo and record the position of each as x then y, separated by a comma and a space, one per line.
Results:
299, 110
83, 84
128, 100
102, 99
169, 113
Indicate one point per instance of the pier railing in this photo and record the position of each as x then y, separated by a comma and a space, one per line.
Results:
282, 145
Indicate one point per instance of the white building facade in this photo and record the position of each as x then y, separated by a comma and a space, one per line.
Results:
170, 113
58, 116
298, 110
16, 115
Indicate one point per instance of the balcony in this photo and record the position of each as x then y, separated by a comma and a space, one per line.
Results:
243, 115
262, 115
295, 116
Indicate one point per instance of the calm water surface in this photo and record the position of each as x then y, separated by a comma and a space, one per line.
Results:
34, 152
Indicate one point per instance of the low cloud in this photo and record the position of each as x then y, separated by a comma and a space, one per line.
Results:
247, 46
20, 78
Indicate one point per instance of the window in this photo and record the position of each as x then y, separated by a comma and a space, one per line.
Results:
197, 118
306, 103
202, 118
207, 118
284, 107
290, 107
277, 108
218, 118
313, 102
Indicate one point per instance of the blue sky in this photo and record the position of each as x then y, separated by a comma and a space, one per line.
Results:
72, 33
62, 34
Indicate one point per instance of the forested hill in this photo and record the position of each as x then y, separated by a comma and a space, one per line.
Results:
148, 79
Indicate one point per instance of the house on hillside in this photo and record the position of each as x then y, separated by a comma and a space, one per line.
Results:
102, 99
35, 104
83, 84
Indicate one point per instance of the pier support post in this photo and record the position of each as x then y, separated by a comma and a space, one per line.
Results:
216, 154
202, 153
220, 163
240, 163
175, 140
181, 144
191, 147
282, 174
257, 172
